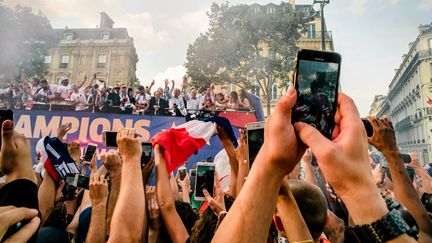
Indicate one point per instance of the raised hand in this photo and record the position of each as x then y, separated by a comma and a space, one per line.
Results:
217, 203
152, 206
384, 137
129, 147
15, 154
111, 161
98, 188
74, 149
63, 130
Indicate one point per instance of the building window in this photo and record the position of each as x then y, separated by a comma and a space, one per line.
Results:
105, 36
430, 43
47, 59
64, 61
270, 10
310, 31
256, 90
257, 10
83, 60
68, 36
101, 61
274, 94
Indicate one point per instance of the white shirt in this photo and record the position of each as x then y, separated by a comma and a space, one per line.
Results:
126, 97
81, 99
64, 91
193, 104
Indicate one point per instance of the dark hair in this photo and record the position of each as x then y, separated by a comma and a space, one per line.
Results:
234, 95
57, 218
312, 204
188, 217
43, 81
204, 228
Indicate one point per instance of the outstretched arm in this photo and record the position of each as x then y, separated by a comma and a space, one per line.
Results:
384, 139
128, 218
170, 217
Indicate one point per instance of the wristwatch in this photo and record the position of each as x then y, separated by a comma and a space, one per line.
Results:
395, 223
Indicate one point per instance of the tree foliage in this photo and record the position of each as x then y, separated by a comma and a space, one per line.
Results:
246, 45
25, 40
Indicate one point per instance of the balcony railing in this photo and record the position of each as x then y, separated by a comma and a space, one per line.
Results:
316, 35
404, 123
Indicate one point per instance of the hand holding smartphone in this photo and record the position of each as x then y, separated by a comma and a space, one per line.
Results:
4, 115
317, 84
90, 150
255, 139
205, 174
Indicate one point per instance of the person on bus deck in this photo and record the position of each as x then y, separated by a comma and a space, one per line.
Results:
244, 102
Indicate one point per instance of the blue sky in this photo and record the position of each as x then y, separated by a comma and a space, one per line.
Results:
371, 35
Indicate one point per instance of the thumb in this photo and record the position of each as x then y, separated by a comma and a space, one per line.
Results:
8, 134
207, 196
311, 136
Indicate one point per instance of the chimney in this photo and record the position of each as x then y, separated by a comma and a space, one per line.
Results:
105, 21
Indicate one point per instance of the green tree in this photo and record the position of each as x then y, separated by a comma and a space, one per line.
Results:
247, 46
26, 38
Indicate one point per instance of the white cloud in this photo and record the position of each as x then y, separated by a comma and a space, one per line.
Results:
358, 7
425, 5
196, 21
175, 73
139, 25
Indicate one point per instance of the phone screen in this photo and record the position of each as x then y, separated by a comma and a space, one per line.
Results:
110, 139
77, 180
91, 149
317, 83
192, 178
182, 173
204, 179
255, 139
146, 153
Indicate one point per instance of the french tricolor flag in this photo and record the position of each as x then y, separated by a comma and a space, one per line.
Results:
182, 141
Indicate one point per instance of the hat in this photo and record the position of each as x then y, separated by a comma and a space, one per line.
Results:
64, 78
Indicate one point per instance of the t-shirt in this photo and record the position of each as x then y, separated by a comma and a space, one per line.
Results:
19, 193
81, 99
64, 91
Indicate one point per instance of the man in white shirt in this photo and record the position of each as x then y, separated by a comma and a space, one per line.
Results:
177, 103
78, 98
142, 99
124, 97
193, 101
63, 90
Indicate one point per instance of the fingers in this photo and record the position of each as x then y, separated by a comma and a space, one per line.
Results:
8, 134
16, 215
311, 136
26, 232
207, 196
347, 108
286, 103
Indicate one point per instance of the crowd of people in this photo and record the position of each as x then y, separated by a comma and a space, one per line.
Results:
302, 187
93, 96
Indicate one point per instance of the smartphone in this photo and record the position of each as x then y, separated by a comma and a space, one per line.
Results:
406, 158
411, 173
78, 180
5, 115
317, 84
368, 127
182, 172
109, 139
192, 176
255, 139
205, 173
146, 153
90, 150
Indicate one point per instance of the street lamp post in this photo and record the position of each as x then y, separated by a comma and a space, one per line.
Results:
322, 4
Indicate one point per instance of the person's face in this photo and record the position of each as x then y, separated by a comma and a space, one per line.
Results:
123, 89
66, 82
208, 91
194, 93
75, 88
34, 83
160, 90
157, 95
44, 85
102, 91
176, 92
